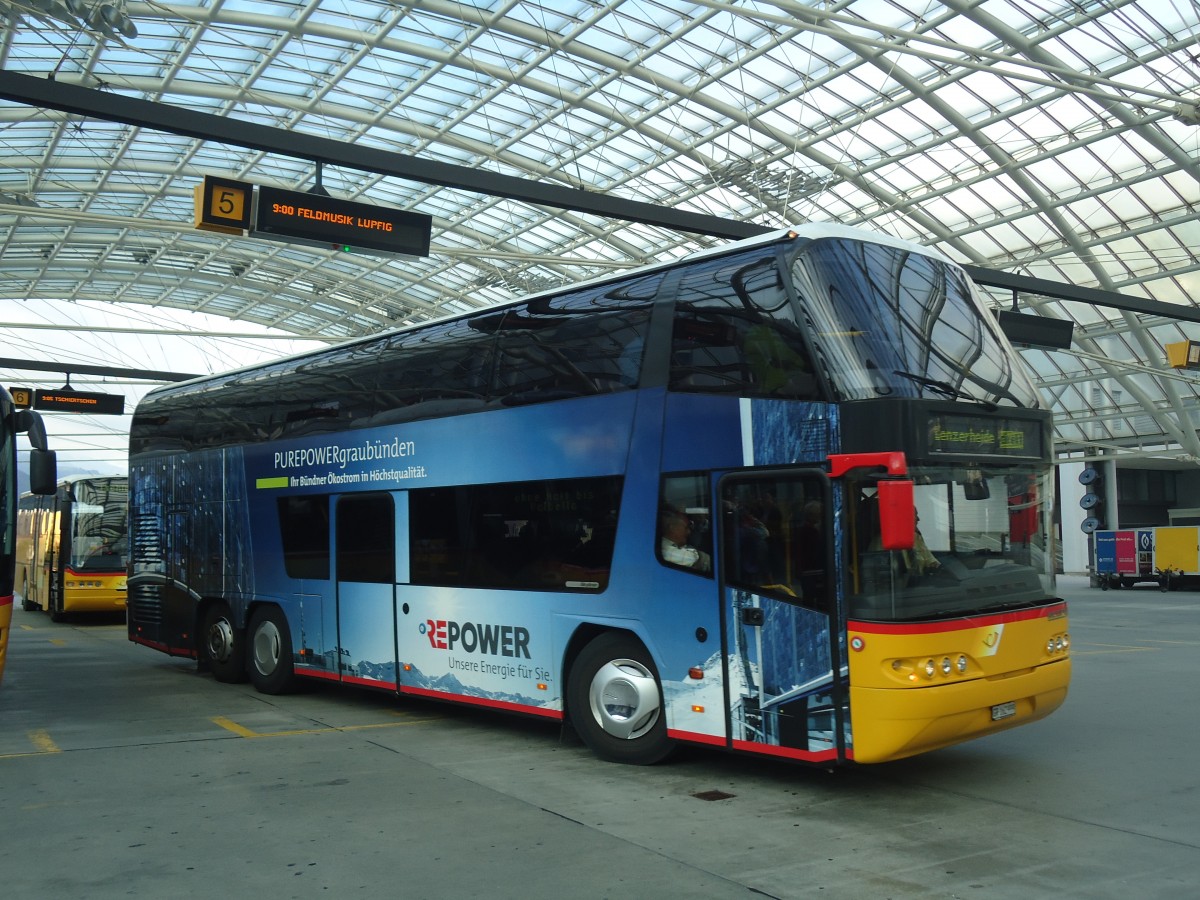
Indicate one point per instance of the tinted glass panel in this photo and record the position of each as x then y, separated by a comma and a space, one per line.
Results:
163, 423
589, 342
549, 535
776, 535
366, 543
304, 533
890, 322
441, 370
327, 393
685, 524
736, 332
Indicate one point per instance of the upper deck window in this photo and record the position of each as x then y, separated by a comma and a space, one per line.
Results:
736, 332
890, 322
571, 345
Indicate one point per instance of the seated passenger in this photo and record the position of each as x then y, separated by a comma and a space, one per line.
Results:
676, 529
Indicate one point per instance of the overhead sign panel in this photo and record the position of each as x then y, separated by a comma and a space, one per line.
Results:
22, 397
64, 400
1036, 331
317, 219
223, 205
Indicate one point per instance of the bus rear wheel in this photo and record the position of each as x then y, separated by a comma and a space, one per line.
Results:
222, 644
271, 670
615, 701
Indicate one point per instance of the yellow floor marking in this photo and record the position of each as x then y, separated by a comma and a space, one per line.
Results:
42, 740
1110, 648
58, 642
237, 729
243, 731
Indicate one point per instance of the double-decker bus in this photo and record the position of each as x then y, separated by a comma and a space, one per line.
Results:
678, 505
73, 547
41, 480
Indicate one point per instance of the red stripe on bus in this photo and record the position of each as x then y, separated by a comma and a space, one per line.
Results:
692, 737
786, 752
5, 601
318, 673
368, 682
483, 701
164, 647
1023, 615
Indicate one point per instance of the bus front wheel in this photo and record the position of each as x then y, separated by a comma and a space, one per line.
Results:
222, 644
615, 701
271, 670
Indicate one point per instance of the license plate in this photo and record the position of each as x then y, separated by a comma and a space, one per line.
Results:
1004, 710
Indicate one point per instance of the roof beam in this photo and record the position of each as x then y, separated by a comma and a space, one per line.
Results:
70, 369
1026, 284
47, 93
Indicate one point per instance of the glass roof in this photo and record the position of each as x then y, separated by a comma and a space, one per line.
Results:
1058, 139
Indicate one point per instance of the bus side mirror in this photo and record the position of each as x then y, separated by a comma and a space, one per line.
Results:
43, 472
29, 423
897, 515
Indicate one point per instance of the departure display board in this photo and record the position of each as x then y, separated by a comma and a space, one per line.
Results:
64, 400
975, 435
317, 219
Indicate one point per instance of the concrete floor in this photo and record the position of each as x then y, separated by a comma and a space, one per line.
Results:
124, 773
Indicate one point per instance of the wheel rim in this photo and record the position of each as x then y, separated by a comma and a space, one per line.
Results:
624, 699
220, 640
266, 648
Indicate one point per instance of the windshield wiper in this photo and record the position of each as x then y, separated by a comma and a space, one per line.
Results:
945, 388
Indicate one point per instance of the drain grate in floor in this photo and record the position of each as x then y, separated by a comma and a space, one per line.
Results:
713, 795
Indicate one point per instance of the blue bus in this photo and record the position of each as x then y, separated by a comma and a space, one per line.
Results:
787, 497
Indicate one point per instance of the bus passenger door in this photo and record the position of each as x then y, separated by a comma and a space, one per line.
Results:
365, 571
784, 686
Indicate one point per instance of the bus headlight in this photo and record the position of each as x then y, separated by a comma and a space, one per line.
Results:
930, 668
947, 668
962, 665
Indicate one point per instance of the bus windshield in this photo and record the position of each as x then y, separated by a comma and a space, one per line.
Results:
98, 526
981, 546
890, 322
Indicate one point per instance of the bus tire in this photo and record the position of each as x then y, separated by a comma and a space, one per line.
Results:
271, 670
222, 644
615, 701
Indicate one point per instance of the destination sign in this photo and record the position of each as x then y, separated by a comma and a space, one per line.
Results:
978, 436
317, 219
63, 400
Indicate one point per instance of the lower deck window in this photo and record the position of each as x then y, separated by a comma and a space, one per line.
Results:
530, 535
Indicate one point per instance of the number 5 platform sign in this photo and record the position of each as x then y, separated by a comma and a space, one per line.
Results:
223, 205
